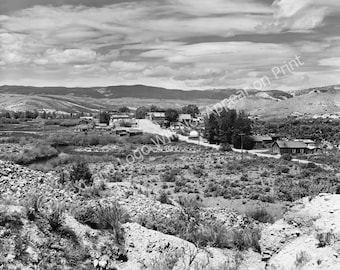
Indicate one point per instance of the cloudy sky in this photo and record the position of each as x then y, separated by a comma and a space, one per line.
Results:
187, 44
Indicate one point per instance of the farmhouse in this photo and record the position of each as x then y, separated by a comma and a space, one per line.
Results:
261, 141
120, 116
289, 147
157, 117
122, 120
293, 147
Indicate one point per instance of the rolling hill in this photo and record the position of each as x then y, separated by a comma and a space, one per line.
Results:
133, 91
64, 99
268, 104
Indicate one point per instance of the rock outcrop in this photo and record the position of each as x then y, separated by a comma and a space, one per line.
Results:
307, 238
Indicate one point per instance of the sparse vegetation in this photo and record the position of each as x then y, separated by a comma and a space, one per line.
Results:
81, 172
260, 215
103, 217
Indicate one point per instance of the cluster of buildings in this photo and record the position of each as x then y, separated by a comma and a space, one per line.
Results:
284, 146
160, 119
121, 124
299, 115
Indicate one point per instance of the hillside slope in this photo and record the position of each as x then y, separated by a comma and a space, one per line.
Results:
134, 91
267, 104
315, 102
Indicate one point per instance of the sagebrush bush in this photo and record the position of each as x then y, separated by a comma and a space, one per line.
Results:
80, 171
325, 239
292, 190
55, 215
170, 175
190, 226
243, 239
287, 157
260, 215
12, 221
164, 198
32, 205
104, 217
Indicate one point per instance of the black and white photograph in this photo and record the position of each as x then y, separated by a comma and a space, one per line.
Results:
169, 135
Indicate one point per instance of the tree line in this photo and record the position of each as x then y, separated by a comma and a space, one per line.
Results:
229, 127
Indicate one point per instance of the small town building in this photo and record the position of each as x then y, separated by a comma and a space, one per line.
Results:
261, 142
289, 147
123, 120
121, 132
293, 147
135, 131
157, 117
184, 118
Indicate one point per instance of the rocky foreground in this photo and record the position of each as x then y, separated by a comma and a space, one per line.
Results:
307, 238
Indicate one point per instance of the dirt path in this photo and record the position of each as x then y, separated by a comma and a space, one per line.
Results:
150, 127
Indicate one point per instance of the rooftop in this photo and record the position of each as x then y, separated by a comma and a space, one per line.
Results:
259, 138
291, 144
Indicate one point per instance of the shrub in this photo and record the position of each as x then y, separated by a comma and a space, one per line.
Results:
102, 217
81, 171
284, 169
52, 122
55, 216
164, 198
37, 153
260, 215
264, 174
287, 157
302, 258
116, 177
10, 221
244, 178
225, 147
337, 190
190, 226
180, 182
289, 190
243, 239
325, 239
198, 171
170, 175
32, 206
70, 123
267, 198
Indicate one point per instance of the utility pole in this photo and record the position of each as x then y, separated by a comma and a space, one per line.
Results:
242, 138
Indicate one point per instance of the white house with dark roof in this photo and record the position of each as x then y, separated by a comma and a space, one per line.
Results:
293, 147
184, 118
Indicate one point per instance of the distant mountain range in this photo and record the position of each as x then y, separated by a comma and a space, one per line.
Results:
271, 103
134, 91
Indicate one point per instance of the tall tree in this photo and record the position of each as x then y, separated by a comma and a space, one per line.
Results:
171, 115
155, 108
141, 112
226, 126
191, 109
124, 109
104, 118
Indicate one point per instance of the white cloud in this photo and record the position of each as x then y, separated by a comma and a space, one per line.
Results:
334, 62
301, 15
172, 43
204, 7
121, 66
68, 56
